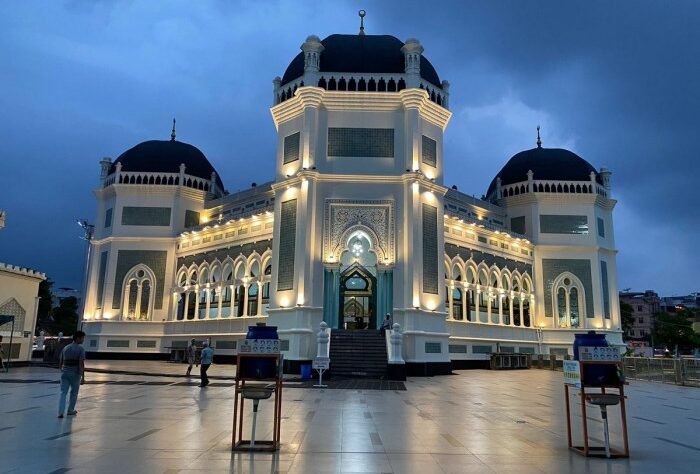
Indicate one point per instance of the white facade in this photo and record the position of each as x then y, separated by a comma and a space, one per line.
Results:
355, 224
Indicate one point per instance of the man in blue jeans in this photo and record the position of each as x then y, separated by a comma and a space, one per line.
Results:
72, 366
205, 361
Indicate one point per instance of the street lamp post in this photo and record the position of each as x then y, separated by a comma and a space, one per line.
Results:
88, 231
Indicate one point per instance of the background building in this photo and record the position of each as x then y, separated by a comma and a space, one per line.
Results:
355, 224
19, 288
644, 306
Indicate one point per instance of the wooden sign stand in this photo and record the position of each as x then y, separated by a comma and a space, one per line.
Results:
586, 394
237, 441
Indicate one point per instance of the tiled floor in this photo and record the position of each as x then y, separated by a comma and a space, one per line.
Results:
474, 421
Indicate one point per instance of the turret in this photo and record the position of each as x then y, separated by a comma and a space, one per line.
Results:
412, 51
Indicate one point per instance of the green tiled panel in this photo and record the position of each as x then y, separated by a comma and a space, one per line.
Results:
606, 289
148, 216
191, 219
287, 247
361, 142
429, 156
481, 349
553, 267
556, 224
457, 348
101, 277
517, 224
430, 250
291, 148
433, 348
128, 259
108, 218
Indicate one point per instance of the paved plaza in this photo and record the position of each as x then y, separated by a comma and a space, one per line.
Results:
473, 421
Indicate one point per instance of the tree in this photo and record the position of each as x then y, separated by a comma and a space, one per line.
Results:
675, 329
627, 317
65, 316
43, 320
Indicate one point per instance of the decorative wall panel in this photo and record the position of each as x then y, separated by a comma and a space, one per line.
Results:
361, 142
287, 246
128, 259
191, 219
556, 224
430, 250
606, 289
552, 268
291, 148
149, 216
343, 216
101, 277
429, 156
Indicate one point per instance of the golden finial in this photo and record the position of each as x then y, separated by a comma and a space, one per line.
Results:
172, 134
362, 14
539, 140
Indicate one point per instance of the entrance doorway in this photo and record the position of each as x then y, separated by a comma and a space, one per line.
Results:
358, 298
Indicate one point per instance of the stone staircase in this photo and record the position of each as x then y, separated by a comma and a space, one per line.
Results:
358, 354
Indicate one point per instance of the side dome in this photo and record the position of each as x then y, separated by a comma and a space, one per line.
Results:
165, 156
361, 54
555, 164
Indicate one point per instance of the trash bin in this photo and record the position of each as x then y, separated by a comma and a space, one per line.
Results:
305, 371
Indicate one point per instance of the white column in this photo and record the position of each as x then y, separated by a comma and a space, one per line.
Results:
259, 311
450, 302
220, 293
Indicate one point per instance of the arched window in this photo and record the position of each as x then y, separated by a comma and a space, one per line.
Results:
137, 297
568, 301
483, 297
253, 299
457, 304
226, 292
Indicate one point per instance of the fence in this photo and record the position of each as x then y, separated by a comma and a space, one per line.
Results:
675, 371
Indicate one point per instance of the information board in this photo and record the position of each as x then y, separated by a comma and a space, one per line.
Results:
572, 373
599, 354
321, 363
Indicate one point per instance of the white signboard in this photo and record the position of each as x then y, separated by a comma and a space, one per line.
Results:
599, 354
321, 363
572, 373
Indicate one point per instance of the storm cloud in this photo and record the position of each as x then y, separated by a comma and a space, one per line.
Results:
616, 82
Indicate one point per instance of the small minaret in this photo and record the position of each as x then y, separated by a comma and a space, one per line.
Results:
172, 134
105, 165
411, 52
605, 175
539, 140
276, 83
312, 49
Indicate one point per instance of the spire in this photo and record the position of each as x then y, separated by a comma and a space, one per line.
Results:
172, 134
362, 14
539, 140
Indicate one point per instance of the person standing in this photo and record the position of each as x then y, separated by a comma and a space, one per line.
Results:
191, 353
207, 358
386, 324
72, 366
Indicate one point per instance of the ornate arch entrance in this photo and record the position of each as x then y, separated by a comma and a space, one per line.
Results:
358, 298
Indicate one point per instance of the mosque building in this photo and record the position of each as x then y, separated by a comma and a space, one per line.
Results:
356, 223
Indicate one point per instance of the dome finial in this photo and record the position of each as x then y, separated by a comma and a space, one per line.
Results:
362, 14
172, 134
539, 140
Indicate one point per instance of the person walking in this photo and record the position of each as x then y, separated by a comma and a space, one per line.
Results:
206, 359
191, 353
72, 366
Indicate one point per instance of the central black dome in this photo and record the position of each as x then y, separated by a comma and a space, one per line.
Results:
165, 156
546, 163
361, 54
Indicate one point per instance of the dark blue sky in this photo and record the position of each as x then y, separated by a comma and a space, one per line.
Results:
616, 82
